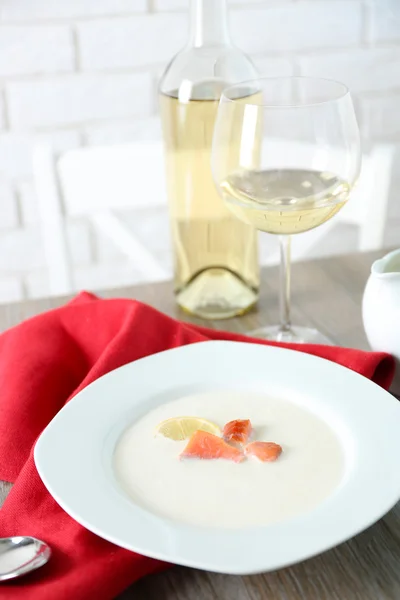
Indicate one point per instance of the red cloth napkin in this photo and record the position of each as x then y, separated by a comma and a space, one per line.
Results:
43, 363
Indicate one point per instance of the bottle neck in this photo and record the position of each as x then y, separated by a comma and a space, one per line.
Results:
209, 23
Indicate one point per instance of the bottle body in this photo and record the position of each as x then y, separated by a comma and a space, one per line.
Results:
215, 255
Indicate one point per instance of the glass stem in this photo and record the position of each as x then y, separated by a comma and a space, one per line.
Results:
285, 243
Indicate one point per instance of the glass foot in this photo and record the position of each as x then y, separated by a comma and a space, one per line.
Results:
294, 335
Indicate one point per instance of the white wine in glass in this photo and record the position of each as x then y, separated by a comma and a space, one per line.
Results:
285, 201
307, 139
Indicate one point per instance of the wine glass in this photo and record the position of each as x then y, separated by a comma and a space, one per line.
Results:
286, 155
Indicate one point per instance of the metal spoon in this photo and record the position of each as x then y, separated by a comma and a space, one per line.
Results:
21, 555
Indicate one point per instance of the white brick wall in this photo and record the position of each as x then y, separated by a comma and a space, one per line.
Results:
169, 4
8, 207
384, 21
363, 70
21, 250
21, 10
27, 203
302, 26
76, 99
76, 72
382, 116
11, 289
27, 50
149, 33
177, 4
3, 123
274, 67
16, 150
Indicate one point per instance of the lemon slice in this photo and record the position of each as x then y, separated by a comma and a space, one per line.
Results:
181, 428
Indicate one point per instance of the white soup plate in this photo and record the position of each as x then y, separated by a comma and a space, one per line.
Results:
74, 454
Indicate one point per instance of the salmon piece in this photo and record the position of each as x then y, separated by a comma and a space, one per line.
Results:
237, 431
264, 451
206, 445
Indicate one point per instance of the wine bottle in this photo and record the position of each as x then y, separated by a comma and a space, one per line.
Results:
216, 271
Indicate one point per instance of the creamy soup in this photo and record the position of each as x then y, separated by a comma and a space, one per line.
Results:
221, 493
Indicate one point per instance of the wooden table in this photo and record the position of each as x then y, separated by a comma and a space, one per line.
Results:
327, 294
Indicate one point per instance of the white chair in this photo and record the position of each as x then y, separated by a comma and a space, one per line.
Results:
95, 182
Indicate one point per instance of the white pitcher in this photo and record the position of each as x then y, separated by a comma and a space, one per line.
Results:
381, 309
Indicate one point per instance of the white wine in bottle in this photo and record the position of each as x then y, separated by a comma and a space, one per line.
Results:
215, 254
285, 201
216, 266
